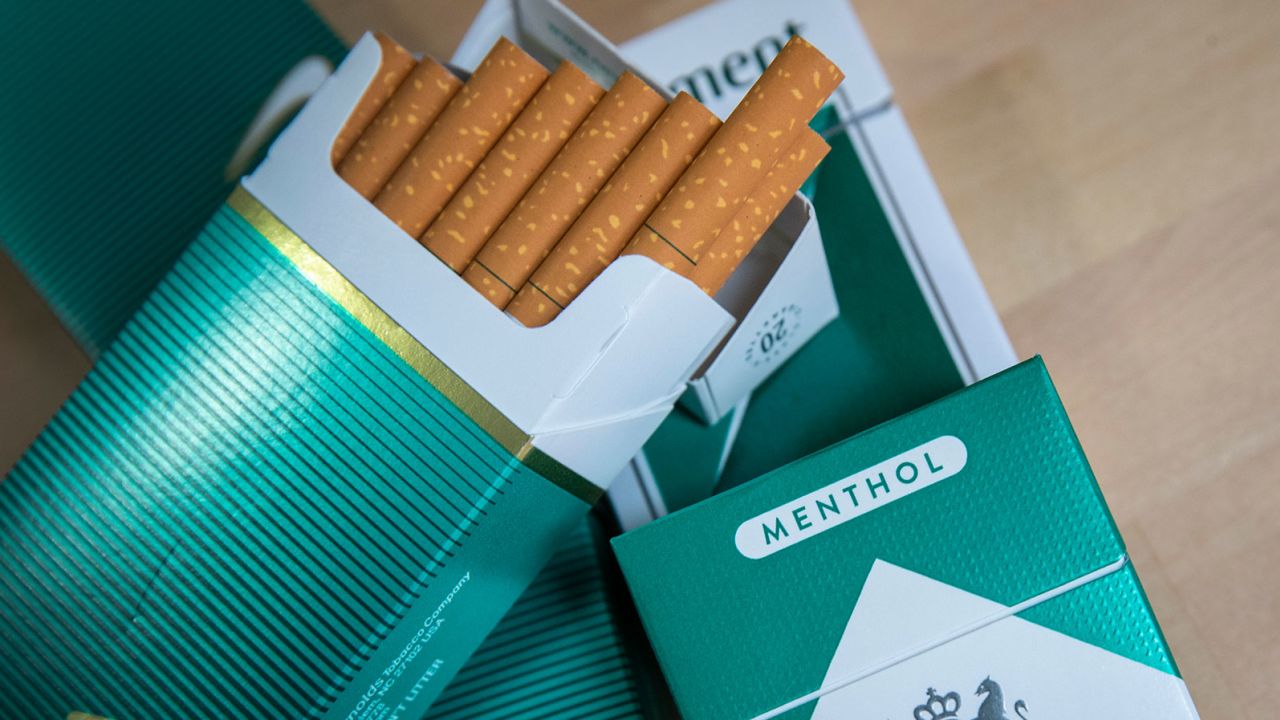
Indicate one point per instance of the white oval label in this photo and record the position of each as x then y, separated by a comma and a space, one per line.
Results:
851, 496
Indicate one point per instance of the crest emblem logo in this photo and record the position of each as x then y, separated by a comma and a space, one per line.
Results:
992, 707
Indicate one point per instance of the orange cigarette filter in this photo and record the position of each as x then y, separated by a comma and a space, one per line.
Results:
767, 121
462, 135
759, 211
512, 166
396, 64
564, 189
398, 126
617, 212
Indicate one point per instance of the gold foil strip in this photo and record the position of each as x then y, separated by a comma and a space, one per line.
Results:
333, 284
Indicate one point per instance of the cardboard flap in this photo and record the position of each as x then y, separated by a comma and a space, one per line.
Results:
985, 492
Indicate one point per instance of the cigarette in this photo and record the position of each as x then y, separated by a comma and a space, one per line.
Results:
617, 212
759, 211
396, 63
563, 189
398, 126
512, 166
462, 135
771, 116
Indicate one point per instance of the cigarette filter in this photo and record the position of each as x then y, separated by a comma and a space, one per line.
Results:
956, 562
617, 212
399, 125
512, 166
396, 63
773, 113
572, 179
462, 135
759, 211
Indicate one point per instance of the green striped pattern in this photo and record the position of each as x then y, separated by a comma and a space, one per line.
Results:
237, 505
116, 122
559, 653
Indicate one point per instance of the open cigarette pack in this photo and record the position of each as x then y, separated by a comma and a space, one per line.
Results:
915, 322
317, 466
956, 562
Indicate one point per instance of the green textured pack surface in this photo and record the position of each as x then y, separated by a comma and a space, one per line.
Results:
254, 507
881, 357
963, 545
116, 126
567, 649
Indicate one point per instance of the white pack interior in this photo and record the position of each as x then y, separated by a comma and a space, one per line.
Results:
591, 386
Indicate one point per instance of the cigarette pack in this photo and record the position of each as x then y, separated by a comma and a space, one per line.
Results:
958, 561
122, 134
316, 468
915, 321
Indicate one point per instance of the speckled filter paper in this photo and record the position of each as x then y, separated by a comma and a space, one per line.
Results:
398, 126
563, 190
761, 208
396, 64
462, 135
771, 116
963, 545
617, 211
512, 166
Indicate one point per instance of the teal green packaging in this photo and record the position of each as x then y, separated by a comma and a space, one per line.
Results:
884, 355
958, 561
118, 125
301, 482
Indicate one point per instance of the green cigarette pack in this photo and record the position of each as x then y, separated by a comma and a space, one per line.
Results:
315, 469
125, 126
956, 562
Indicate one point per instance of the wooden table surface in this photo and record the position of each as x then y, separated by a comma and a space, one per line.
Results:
1112, 167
